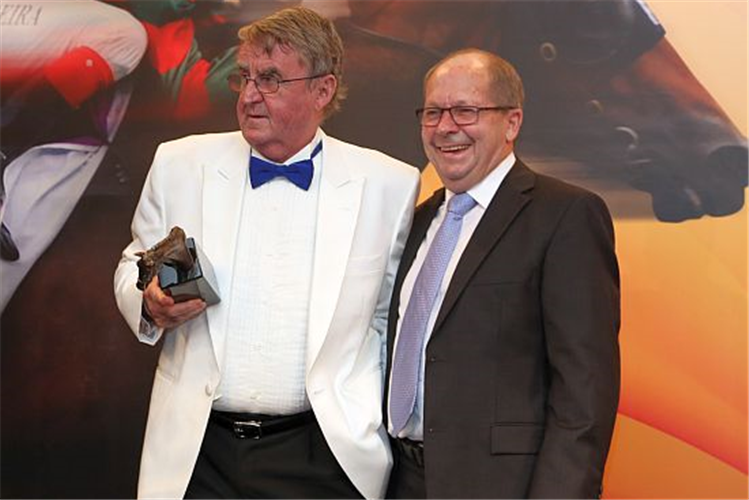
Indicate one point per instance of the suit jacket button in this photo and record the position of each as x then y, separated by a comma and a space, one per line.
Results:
208, 390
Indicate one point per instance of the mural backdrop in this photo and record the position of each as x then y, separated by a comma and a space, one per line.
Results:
644, 104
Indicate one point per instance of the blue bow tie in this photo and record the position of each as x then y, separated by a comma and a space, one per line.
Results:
299, 172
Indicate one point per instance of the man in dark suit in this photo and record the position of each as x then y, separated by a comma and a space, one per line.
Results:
503, 358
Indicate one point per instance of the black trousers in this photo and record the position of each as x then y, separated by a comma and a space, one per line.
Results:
295, 463
407, 478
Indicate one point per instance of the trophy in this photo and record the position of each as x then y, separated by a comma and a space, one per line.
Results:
184, 271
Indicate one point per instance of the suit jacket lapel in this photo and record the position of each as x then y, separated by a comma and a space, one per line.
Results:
337, 213
223, 188
508, 201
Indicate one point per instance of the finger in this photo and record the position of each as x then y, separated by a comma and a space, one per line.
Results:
177, 314
192, 312
156, 295
189, 308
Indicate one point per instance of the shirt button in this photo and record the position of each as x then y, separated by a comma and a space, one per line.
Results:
208, 390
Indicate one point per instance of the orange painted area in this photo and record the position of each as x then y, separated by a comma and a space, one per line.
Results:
684, 330
430, 182
647, 463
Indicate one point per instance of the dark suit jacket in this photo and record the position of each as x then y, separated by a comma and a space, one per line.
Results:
522, 370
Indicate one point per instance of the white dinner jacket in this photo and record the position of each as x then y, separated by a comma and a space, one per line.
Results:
365, 209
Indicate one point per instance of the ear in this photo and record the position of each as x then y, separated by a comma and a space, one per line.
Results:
514, 122
324, 90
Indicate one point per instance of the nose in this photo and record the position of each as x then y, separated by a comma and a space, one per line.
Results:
250, 93
446, 125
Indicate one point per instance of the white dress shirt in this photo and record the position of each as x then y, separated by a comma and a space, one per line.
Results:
264, 369
483, 193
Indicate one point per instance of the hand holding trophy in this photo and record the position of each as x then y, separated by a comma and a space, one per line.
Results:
184, 271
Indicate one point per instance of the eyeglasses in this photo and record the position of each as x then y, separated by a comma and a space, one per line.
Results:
265, 84
461, 115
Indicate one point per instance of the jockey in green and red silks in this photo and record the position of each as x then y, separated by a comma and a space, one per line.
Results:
192, 81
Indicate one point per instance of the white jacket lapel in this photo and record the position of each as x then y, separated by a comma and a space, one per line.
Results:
337, 214
223, 188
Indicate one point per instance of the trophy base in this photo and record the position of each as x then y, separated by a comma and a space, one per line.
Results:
199, 282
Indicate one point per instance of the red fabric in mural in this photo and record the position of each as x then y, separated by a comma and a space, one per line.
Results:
169, 44
193, 94
78, 74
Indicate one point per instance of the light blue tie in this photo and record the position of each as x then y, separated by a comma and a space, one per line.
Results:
407, 360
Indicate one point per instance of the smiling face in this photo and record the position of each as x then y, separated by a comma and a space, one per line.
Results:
280, 124
463, 155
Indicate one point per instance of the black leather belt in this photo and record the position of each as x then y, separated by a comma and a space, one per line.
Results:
411, 450
256, 426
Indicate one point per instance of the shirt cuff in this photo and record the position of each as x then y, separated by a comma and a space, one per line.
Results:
147, 327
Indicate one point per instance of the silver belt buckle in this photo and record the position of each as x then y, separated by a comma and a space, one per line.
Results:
241, 427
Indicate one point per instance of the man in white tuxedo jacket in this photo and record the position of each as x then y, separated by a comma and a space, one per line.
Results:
276, 391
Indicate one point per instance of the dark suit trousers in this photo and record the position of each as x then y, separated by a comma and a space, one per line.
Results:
296, 463
407, 477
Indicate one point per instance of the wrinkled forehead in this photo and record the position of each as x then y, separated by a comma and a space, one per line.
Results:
254, 55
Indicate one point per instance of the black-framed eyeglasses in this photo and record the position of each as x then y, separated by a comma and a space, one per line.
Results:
265, 84
461, 115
